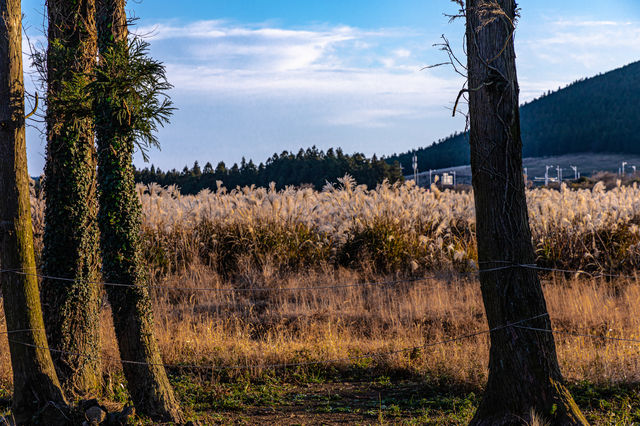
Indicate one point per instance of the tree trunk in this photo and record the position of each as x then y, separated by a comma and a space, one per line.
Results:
120, 220
71, 234
35, 383
524, 375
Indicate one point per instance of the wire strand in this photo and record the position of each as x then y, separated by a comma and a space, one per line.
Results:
229, 290
25, 330
285, 365
568, 333
507, 265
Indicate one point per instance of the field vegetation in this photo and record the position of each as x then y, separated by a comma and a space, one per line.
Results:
393, 229
212, 255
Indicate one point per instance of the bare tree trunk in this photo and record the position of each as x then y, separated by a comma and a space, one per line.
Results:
71, 231
35, 383
120, 220
523, 368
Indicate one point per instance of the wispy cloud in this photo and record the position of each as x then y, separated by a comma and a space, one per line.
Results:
572, 23
335, 67
267, 49
590, 44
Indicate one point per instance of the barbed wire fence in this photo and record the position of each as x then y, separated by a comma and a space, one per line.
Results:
230, 290
506, 265
521, 324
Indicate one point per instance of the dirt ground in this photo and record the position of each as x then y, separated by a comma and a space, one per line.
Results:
359, 403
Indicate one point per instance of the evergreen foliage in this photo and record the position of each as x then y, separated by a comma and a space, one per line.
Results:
311, 167
130, 88
597, 114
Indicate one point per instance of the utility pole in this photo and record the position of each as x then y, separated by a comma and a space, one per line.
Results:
415, 168
575, 172
559, 174
546, 175
624, 163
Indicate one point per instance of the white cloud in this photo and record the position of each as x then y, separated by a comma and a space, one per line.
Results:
252, 89
337, 66
589, 23
402, 53
591, 44
531, 89
372, 118
219, 45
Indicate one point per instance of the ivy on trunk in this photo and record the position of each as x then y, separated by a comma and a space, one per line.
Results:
35, 383
127, 109
71, 233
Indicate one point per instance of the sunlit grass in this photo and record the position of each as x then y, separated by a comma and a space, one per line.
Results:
391, 229
250, 238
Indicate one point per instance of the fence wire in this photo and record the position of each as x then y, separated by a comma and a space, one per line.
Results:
569, 333
285, 365
230, 290
517, 324
506, 265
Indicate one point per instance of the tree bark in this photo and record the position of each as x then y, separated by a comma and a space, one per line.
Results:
120, 221
524, 375
71, 233
35, 383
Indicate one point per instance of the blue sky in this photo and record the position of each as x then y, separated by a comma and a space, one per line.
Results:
254, 77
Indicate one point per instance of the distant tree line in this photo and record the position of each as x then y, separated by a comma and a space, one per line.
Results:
597, 114
308, 167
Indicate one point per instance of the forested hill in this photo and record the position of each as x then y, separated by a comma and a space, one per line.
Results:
598, 114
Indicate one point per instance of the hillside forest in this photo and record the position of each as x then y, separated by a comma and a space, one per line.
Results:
597, 114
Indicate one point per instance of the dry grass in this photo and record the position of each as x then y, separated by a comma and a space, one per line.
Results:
222, 329
393, 228
315, 326
249, 238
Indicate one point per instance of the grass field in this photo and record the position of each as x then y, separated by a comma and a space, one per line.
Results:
434, 385
369, 354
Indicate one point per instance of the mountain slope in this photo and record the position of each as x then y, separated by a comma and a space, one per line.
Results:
598, 114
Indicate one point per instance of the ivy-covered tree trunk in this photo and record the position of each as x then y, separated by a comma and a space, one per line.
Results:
35, 383
120, 220
71, 238
524, 375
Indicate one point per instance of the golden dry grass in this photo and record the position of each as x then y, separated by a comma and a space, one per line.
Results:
392, 228
249, 238
316, 326
224, 329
